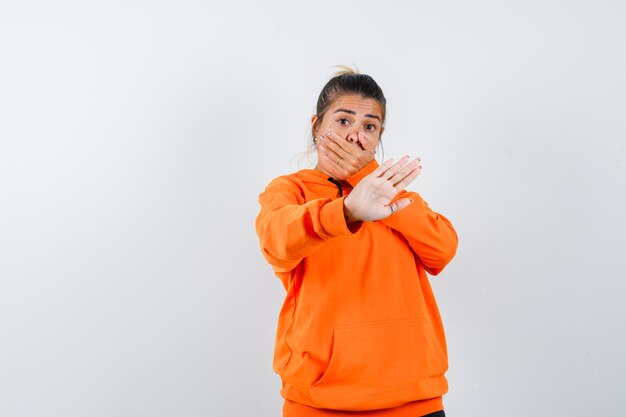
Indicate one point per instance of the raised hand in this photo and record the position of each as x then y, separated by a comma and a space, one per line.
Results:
369, 200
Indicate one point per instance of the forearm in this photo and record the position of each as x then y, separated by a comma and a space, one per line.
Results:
289, 231
431, 235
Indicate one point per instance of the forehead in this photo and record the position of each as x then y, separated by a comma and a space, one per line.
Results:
358, 104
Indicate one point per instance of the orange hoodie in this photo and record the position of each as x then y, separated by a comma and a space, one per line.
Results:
359, 328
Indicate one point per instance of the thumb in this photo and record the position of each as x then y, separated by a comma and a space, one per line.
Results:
402, 203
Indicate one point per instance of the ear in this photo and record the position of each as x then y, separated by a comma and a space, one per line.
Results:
314, 119
382, 129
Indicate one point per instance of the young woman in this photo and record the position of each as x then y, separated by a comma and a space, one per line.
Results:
359, 333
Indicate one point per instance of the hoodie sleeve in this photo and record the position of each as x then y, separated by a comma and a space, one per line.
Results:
365, 171
289, 228
430, 234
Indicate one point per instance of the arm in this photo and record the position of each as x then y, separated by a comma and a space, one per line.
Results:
289, 228
430, 234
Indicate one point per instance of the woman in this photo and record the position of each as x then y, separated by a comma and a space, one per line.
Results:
359, 333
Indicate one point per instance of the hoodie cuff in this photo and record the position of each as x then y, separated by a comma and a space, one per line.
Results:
333, 219
365, 171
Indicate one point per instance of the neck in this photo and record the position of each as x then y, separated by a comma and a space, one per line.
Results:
318, 167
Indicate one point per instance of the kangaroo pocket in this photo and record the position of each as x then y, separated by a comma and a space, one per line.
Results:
381, 364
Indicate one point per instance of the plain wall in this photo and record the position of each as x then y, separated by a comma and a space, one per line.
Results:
135, 137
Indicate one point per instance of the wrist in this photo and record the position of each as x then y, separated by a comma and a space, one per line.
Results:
347, 212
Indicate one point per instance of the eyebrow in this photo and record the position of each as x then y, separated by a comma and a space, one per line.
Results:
352, 112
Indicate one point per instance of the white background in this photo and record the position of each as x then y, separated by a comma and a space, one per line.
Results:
135, 137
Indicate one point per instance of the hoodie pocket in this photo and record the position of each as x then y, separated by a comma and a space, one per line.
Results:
381, 364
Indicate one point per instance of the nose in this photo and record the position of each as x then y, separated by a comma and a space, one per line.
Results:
353, 135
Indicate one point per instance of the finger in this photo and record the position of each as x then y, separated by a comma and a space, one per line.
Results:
331, 144
393, 170
335, 160
351, 162
408, 179
402, 203
347, 146
365, 142
382, 168
364, 153
334, 155
406, 170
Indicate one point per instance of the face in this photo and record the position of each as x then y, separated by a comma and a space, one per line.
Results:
356, 120
352, 114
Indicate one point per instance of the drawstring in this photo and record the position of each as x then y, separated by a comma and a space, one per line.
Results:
338, 184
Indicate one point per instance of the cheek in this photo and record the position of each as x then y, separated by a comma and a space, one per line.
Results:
374, 138
341, 130
324, 127
338, 128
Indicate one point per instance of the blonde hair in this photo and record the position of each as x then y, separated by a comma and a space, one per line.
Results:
346, 70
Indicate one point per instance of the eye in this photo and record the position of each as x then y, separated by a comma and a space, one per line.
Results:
343, 121
370, 127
